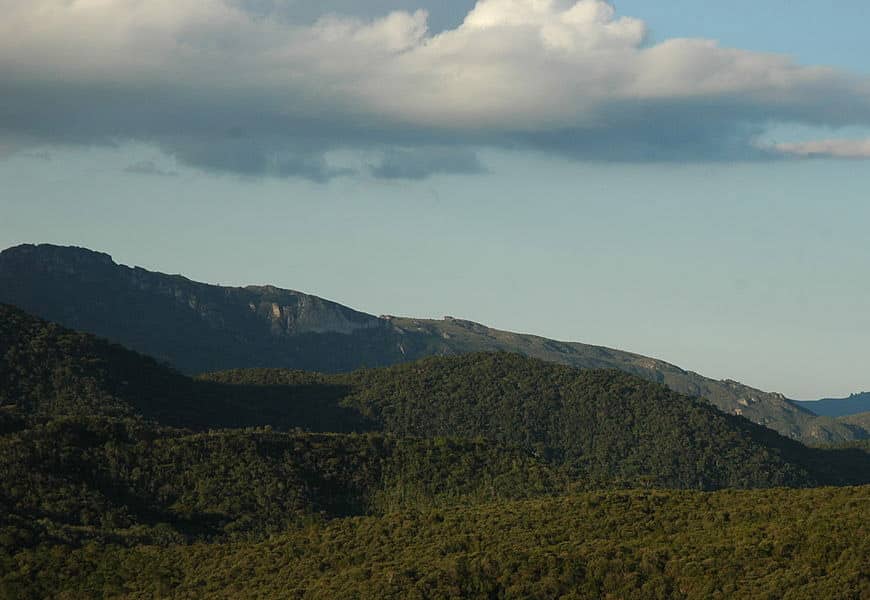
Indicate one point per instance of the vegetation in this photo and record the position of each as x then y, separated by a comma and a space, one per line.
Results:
482, 476
860, 420
73, 480
602, 426
654, 544
49, 371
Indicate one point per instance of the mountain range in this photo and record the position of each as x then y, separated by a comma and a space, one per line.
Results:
480, 475
596, 428
839, 407
197, 327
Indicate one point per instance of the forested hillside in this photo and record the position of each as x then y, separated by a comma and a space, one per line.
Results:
600, 425
74, 480
605, 427
49, 371
199, 327
798, 544
479, 475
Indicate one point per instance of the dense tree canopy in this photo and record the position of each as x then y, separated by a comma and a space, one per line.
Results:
803, 544
601, 425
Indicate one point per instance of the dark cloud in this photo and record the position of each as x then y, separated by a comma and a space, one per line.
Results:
149, 167
658, 131
255, 157
42, 155
420, 163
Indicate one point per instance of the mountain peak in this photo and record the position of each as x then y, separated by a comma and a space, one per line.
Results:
53, 255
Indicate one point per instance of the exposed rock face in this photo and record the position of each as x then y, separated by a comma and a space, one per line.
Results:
286, 312
294, 313
199, 327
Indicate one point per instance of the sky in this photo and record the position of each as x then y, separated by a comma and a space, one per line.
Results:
685, 180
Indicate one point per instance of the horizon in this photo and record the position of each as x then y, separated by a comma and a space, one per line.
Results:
685, 182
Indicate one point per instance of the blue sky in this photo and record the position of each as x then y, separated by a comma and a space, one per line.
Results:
833, 33
652, 211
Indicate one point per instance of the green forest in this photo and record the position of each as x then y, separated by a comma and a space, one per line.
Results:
486, 475
641, 544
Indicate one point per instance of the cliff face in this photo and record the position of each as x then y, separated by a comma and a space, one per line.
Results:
292, 313
286, 312
199, 327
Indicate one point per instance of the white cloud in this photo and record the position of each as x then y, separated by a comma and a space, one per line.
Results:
184, 72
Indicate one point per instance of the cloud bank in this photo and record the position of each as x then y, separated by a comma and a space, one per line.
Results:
244, 86
149, 167
848, 149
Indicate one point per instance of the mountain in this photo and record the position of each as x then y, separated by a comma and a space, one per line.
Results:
598, 427
601, 426
839, 407
194, 326
198, 328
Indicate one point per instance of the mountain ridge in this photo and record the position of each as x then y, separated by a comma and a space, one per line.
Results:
199, 327
839, 407
598, 427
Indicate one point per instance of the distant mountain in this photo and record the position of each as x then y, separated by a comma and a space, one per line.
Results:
194, 326
199, 327
839, 407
